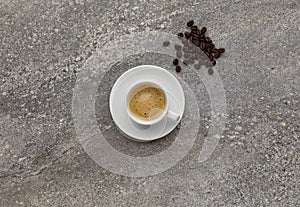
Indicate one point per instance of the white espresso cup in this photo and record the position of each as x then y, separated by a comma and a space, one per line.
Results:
159, 113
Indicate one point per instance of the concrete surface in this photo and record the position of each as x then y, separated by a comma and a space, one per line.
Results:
44, 45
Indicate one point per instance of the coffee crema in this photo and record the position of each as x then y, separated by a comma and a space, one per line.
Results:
147, 102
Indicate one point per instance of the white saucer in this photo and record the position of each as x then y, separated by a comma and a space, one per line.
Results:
117, 102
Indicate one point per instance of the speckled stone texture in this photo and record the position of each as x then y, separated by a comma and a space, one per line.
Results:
43, 47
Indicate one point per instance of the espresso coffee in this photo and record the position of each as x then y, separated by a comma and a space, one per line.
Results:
147, 102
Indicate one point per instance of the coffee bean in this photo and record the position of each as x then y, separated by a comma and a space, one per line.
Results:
179, 54
184, 40
197, 46
187, 55
187, 61
194, 28
201, 62
194, 56
198, 56
221, 50
209, 49
180, 34
187, 35
197, 66
202, 45
195, 36
217, 55
175, 61
202, 39
202, 57
208, 64
210, 71
196, 42
208, 40
203, 30
178, 47
214, 50
190, 45
178, 68
190, 23
191, 61
197, 49
166, 43
186, 49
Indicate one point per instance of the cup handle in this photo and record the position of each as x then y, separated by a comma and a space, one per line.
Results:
172, 115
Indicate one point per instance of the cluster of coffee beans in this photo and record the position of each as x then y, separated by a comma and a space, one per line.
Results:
193, 42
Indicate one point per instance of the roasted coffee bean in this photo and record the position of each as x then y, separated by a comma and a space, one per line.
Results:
214, 50
180, 34
187, 55
221, 50
202, 45
209, 49
175, 61
178, 47
196, 42
208, 40
208, 64
190, 23
179, 54
198, 56
197, 49
202, 57
203, 30
186, 49
190, 45
194, 28
197, 46
195, 36
197, 66
217, 55
191, 61
178, 68
187, 35
201, 62
210, 71
194, 56
202, 39
166, 43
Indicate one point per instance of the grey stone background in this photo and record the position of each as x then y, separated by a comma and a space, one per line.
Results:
44, 45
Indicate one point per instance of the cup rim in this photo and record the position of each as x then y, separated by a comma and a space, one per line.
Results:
146, 122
